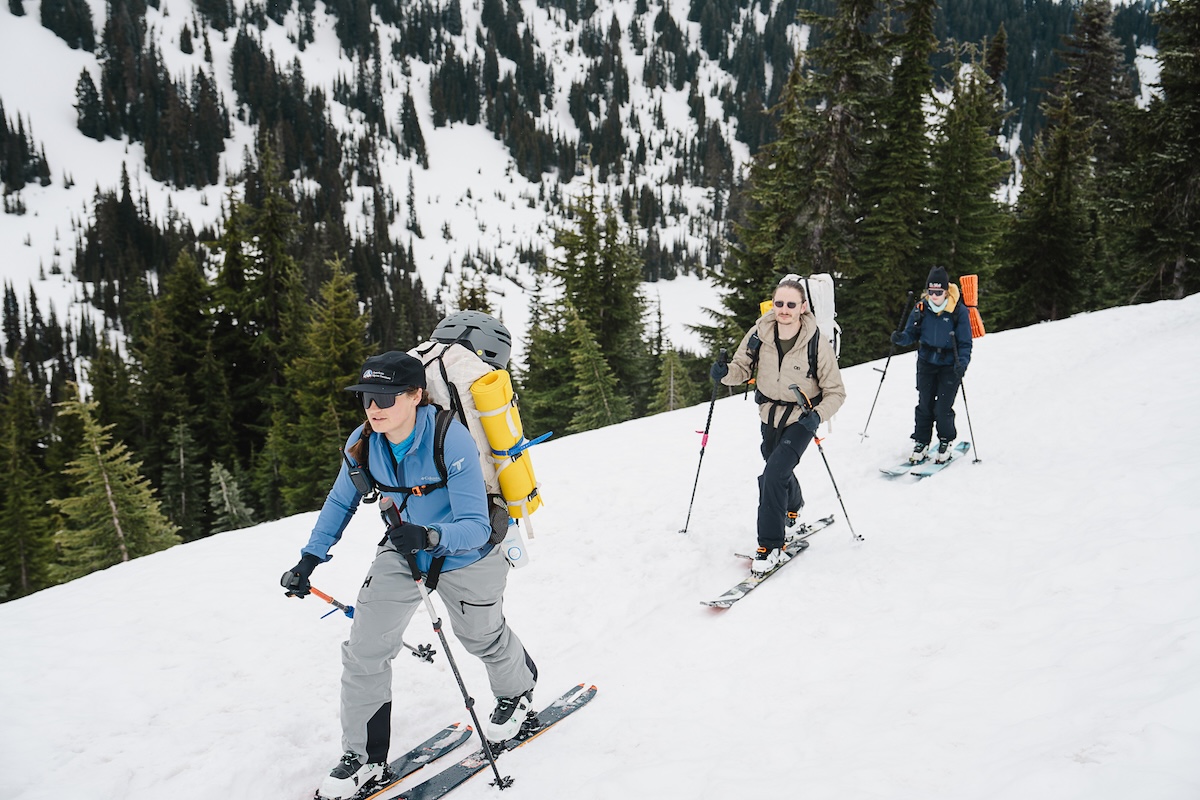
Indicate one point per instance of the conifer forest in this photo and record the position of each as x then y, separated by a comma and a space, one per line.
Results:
202, 390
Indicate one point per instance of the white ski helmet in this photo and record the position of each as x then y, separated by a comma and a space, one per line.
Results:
480, 333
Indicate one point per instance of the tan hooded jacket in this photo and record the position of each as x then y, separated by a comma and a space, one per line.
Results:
774, 378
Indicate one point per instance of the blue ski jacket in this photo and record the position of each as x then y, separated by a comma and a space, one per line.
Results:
932, 330
458, 511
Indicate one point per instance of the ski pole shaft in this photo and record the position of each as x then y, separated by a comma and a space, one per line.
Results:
391, 516
422, 652
966, 406
704, 441
891, 352
807, 404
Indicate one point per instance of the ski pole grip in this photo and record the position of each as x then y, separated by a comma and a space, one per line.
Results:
723, 356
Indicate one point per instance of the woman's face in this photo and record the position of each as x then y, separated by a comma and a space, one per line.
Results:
396, 421
789, 305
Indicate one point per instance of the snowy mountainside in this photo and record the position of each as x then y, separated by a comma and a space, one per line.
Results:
1025, 627
471, 203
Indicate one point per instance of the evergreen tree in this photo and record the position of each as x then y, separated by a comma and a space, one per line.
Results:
183, 483
895, 194
1048, 247
546, 389
598, 402
966, 222
230, 511
600, 274
1157, 207
675, 388
318, 415
89, 108
801, 202
72, 21
26, 551
113, 516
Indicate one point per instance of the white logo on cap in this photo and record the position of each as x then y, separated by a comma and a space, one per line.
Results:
374, 373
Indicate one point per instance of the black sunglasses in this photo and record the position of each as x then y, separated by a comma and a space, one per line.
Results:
789, 304
935, 292
378, 398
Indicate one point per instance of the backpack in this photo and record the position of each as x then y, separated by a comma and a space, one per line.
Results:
450, 369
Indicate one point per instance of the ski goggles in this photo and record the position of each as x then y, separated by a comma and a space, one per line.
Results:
381, 399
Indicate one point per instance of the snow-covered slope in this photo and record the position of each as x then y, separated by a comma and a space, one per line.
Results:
1026, 627
471, 202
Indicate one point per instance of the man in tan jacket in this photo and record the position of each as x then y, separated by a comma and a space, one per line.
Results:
788, 350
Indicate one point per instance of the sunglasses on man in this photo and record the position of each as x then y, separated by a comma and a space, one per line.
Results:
789, 303
935, 292
378, 398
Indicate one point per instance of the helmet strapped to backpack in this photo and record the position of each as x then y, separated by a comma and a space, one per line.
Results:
480, 333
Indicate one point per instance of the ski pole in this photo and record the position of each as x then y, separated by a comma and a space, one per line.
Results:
704, 441
967, 406
807, 404
424, 652
891, 351
391, 517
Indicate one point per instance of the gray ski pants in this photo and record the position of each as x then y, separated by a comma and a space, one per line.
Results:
473, 597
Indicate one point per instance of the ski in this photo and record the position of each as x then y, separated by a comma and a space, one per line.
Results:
433, 748
793, 546
455, 775
931, 467
803, 531
903, 468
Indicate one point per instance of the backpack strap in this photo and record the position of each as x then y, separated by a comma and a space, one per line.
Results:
363, 479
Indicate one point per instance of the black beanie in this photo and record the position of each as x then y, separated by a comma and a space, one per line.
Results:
938, 278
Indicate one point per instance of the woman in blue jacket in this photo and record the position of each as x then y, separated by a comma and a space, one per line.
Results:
448, 524
942, 360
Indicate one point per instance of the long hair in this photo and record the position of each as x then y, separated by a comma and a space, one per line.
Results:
357, 451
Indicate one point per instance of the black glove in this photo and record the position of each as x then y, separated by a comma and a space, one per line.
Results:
811, 420
295, 580
897, 338
409, 538
719, 370
960, 369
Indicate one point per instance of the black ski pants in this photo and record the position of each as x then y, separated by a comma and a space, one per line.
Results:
778, 489
937, 387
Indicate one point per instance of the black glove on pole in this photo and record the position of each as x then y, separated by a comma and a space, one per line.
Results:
807, 404
391, 518
716, 373
958, 365
891, 351
295, 580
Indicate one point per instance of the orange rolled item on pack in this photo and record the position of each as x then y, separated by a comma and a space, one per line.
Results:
493, 395
970, 295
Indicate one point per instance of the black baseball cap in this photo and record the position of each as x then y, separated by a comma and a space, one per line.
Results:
392, 372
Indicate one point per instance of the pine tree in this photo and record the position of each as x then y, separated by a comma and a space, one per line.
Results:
546, 389
26, 551
675, 388
966, 222
895, 189
318, 416
802, 198
1048, 247
182, 484
89, 108
1157, 209
598, 402
113, 516
230, 511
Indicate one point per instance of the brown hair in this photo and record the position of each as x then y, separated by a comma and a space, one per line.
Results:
793, 284
357, 451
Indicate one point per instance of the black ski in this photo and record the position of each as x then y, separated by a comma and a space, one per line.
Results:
792, 546
433, 748
455, 775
